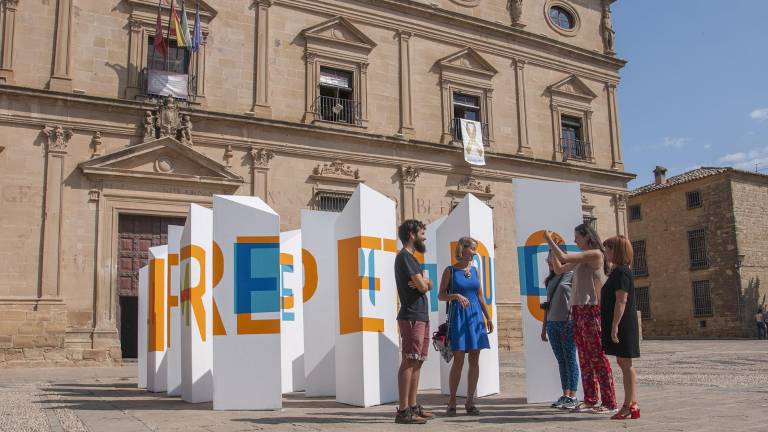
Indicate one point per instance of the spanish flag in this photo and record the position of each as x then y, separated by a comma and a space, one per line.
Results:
175, 26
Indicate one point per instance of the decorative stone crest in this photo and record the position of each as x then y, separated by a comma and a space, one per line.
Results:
164, 164
606, 29
97, 145
167, 121
409, 174
58, 137
336, 168
515, 10
260, 158
471, 183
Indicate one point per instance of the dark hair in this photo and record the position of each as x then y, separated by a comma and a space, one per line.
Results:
622, 250
408, 227
593, 242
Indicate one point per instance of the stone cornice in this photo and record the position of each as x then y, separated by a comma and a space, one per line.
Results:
511, 161
480, 26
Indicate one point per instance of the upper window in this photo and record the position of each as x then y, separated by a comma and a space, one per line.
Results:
176, 62
467, 107
336, 102
330, 201
639, 263
635, 212
169, 75
697, 248
573, 143
562, 18
693, 199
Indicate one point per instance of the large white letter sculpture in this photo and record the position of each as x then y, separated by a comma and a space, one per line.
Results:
196, 305
246, 307
475, 219
367, 355
292, 311
430, 370
540, 205
143, 309
173, 323
156, 362
321, 301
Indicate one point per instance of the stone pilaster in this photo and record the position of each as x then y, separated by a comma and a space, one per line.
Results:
61, 80
55, 153
406, 116
408, 177
523, 146
261, 100
260, 159
613, 121
134, 87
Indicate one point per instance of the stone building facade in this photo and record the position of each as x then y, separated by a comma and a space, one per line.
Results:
295, 101
702, 239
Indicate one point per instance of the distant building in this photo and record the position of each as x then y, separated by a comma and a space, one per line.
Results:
701, 252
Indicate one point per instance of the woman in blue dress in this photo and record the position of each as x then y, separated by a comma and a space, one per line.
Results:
468, 318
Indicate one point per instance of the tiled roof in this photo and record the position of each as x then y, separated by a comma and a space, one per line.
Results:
698, 173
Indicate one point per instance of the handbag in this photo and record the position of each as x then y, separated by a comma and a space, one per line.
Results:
441, 339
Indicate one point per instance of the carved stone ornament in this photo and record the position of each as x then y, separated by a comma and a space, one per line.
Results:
260, 157
409, 174
471, 183
584, 199
167, 121
58, 137
98, 146
620, 201
164, 164
515, 10
228, 154
93, 195
336, 169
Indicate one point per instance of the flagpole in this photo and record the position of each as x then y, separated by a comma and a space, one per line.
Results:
168, 37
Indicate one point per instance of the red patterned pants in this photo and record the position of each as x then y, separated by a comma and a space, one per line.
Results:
595, 367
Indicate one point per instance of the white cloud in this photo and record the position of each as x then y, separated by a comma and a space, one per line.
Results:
676, 142
759, 114
707, 146
733, 158
746, 160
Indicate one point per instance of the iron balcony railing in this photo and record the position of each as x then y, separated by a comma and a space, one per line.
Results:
337, 110
576, 149
456, 131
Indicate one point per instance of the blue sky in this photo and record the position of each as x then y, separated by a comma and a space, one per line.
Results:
694, 91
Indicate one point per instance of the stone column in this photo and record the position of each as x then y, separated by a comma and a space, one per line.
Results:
557, 150
260, 159
613, 121
61, 80
7, 31
134, 87
363, 99
408, 176
309, 91
56, 151
199, 69
261, 105
620, 204
489, 113
447, 112
406, 116
523, 146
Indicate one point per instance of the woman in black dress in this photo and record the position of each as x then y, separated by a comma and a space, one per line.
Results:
618, 313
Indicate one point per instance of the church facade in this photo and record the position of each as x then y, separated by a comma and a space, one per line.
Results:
294, 101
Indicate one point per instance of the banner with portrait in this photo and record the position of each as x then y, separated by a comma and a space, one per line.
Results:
472, 137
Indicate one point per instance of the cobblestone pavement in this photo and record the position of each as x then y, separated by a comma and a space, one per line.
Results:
684, 386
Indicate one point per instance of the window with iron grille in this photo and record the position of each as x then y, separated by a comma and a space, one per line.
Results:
330, 201
337, 102
642, 296
702, 298
639, 264
697, 248
693, 199
635, 213
573, 142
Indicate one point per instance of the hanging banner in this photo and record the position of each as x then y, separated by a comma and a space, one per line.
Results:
472, 137
541, 205
164, 83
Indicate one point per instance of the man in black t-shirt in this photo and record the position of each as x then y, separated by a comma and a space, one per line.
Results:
412, 320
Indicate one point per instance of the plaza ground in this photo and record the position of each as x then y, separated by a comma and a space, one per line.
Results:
684, 386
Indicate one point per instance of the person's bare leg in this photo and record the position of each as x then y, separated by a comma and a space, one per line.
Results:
414, 386
455, 376
404, 380
473, 374
629, 377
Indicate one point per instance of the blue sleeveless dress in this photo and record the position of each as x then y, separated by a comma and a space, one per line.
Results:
467, 326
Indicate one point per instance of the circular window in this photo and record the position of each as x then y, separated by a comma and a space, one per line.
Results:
562, 18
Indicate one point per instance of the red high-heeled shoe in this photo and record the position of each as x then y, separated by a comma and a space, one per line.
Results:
633, 412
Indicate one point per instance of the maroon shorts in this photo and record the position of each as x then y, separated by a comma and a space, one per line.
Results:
414, 339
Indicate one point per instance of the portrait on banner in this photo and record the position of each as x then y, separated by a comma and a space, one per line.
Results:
472, 137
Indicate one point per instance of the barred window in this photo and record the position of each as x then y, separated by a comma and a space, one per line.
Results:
643, 298
697, 248
634, 212
591, 221
702, 298
639, 264
693, 199
330, 201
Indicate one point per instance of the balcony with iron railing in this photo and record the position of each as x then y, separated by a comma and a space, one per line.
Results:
338, 110
455, 131
576, 150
